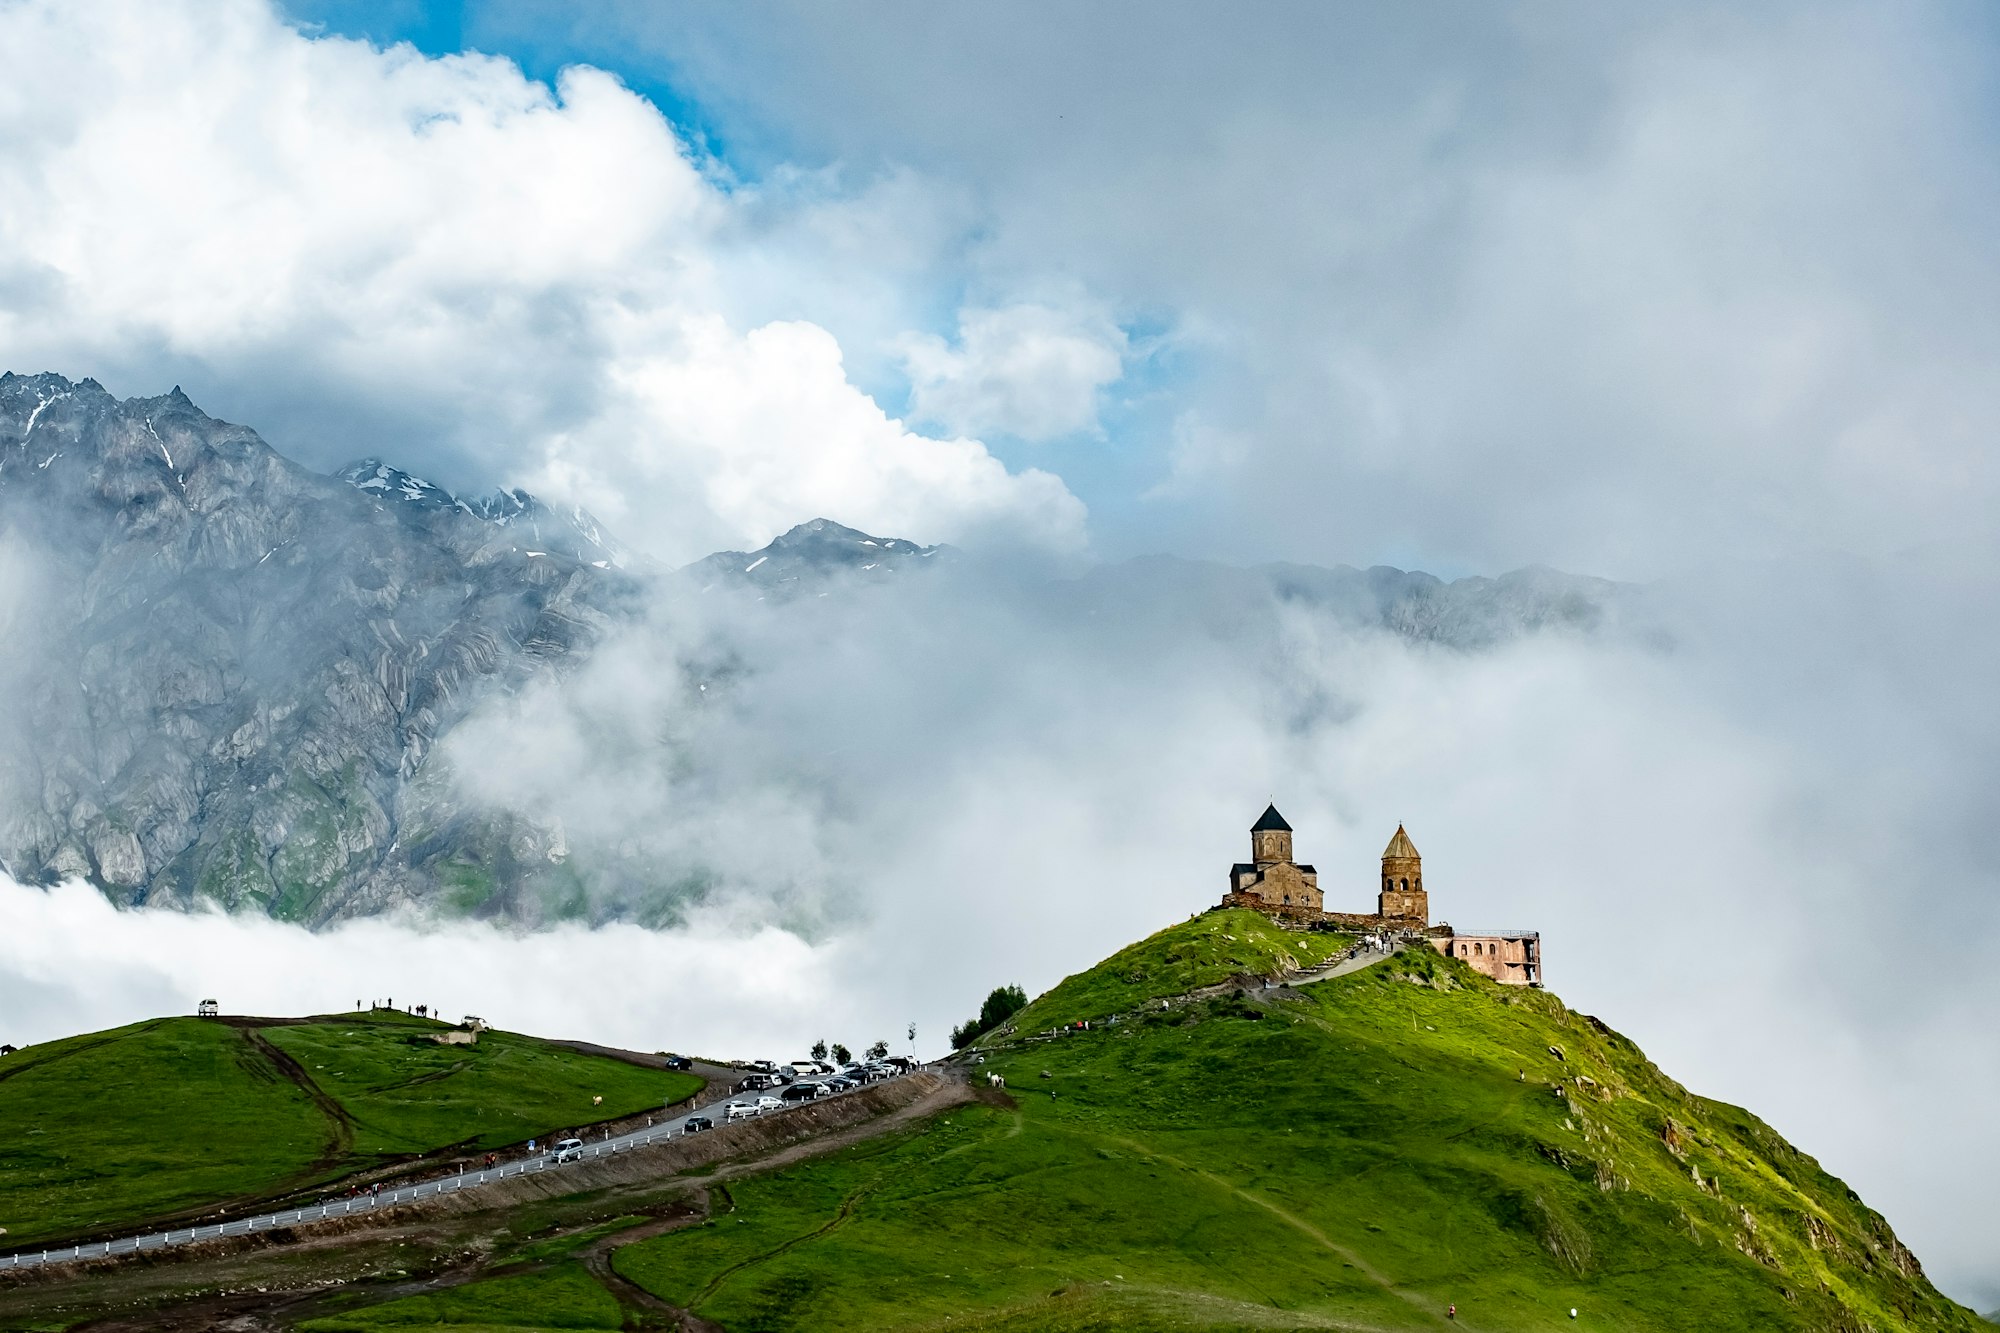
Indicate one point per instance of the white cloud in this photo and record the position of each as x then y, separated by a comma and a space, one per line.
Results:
976, 784
372, 251
1032, 371
71, 962
749, 434
1493, 287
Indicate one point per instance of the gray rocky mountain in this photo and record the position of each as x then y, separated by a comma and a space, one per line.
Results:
535, 527
228, 672
227, 679
810, 556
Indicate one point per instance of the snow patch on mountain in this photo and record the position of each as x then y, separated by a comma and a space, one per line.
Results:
573, 532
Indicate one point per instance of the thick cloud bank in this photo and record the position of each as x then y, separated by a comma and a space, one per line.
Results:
441, 261
1596, 286
1631, 292
1754, 827
1755, 830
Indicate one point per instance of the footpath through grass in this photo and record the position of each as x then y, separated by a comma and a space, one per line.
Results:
1205, 951
405, 1096
110, 1131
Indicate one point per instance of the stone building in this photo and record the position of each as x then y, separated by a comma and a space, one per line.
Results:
1511, 957
1271, 879
1271, 882
1403, 897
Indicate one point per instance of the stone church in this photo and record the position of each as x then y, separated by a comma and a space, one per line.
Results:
1271, 876
1273, 883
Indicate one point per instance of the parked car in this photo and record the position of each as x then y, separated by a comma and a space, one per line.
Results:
839, 1083
694, 1124
679, 1062
754, 1083
739, 1110
568, 1150
801, 1091
804, 1068
765, 1065
769, 1104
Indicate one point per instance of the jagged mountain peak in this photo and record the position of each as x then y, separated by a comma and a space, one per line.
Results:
812, 553
539, 527
373, 476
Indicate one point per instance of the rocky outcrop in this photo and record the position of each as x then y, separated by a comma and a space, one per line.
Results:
231, 669
228, 678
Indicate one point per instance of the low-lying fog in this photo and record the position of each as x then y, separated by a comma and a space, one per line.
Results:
1751, 815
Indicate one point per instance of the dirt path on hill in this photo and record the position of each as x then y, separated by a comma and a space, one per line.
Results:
259, 1303
337, 1117
596, 1260
1299, 1224
1328, 971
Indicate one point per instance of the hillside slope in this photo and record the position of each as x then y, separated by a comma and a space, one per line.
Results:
149, 1122
1362, 1153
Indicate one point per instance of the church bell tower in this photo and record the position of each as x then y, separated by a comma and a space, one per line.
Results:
1403, 897
1270, 838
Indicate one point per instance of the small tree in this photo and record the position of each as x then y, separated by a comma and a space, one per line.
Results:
819, 1049
878, 1050
1001, 1005
841, 1055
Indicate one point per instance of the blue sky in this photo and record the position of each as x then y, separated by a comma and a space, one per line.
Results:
1439, 224
1623, 292
1700, 294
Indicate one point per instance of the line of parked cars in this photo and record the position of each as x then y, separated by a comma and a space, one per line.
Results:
799, 1081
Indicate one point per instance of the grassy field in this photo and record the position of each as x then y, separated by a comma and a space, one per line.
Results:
108, 1131
1206, 951
403, 1097
1359, 1154
563, 1296
1392, 1143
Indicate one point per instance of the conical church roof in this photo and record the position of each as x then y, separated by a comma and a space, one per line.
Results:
1270, 820
1400, 846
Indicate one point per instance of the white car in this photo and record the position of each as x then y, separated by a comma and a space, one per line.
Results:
769, 1104
569, 1150
739, 1110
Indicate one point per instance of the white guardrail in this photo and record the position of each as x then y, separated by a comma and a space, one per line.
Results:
371, 1203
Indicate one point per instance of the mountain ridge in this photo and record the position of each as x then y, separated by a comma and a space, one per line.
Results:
243, 670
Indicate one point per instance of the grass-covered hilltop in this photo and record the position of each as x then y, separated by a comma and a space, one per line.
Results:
1207, 1152
172, 1119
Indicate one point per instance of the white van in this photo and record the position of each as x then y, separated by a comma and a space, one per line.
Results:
569, 1150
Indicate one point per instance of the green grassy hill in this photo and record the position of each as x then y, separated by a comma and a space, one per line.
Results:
1361, 1154
1358, 1154
110, 1131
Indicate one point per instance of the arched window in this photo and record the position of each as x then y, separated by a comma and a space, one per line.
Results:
1406, 886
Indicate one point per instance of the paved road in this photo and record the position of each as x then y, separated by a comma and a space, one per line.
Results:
373, 1203
1341, 967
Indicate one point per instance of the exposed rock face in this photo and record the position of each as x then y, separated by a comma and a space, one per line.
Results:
224, 678
233, 668
806, 557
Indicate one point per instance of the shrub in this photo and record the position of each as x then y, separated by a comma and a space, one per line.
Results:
1001, 1005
